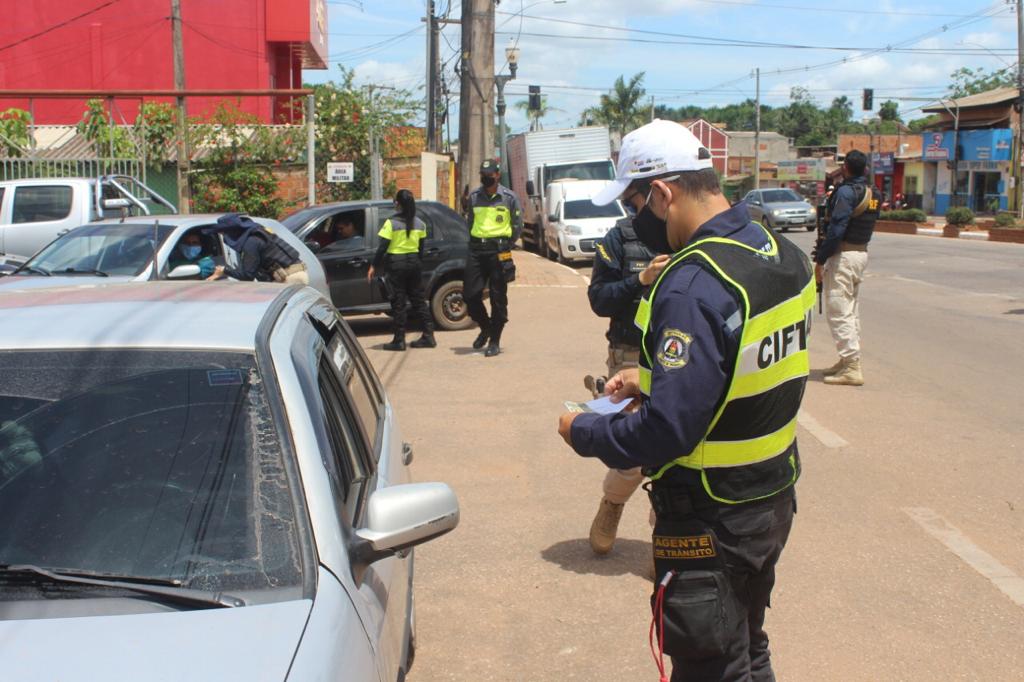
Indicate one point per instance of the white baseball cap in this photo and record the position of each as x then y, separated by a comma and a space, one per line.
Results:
658, 148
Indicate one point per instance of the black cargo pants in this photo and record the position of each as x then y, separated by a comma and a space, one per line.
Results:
483, 269
405, 274
715, 608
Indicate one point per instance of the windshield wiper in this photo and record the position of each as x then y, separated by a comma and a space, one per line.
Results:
168, 590
32, 268
83, 271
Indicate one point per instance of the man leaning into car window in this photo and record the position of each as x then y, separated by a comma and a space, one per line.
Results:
189, 251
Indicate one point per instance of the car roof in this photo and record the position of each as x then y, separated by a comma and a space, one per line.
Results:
177, 220
212, 315
27, 182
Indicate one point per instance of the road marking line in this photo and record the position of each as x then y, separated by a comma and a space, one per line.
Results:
828, 438
1008, 582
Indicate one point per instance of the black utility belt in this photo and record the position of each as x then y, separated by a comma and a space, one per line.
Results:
489, 240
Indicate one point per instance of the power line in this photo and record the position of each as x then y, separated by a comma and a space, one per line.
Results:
59, 25
808, 8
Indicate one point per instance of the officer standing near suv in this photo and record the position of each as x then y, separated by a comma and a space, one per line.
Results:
722, 372
496, 219
840, 262
623, 269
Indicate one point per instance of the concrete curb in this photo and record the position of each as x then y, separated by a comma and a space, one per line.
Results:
930, 232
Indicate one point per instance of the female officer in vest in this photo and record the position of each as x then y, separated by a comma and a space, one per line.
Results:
722, 370
401, 252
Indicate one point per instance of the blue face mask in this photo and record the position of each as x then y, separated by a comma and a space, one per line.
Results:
191, 252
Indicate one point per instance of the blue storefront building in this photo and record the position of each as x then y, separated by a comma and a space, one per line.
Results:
971, 168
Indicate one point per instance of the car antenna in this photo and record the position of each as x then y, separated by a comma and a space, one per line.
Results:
156, 232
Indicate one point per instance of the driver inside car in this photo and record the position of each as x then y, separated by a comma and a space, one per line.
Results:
190, 251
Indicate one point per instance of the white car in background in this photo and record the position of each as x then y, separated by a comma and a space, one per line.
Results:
123, 250
573, 224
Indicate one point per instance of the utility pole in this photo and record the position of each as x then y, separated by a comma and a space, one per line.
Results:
476, 97
376, 177
1020, 111
512, 57
652, 107
184, 194
433, 81
757, 129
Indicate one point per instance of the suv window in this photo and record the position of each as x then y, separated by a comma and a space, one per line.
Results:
41, 204
347, 467
443, 222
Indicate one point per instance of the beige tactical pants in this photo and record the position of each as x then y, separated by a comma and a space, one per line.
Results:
843, 274
620, 484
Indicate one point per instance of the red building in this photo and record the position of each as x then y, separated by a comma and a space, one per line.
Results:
126, 45
715, 140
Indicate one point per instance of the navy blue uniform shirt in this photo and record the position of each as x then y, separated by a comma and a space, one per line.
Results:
683, 399
842, 211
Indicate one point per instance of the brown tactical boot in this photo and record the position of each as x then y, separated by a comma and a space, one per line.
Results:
604, 527
849, 375
834, 369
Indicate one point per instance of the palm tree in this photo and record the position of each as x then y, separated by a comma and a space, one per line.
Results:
535, 115
620, 109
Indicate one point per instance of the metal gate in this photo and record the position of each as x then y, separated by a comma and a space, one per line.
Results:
19, 168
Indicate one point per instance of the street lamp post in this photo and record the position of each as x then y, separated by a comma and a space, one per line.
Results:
512, 57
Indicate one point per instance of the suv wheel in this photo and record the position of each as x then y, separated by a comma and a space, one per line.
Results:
449, 308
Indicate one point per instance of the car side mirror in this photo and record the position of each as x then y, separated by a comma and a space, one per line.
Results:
184, 272
401, 517
312, 245
530, 188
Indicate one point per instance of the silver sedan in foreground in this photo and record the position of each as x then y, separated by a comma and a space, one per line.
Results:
201, 483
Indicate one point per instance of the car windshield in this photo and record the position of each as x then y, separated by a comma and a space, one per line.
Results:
581, 209
150, 463
778, 196
115, 249
298, 219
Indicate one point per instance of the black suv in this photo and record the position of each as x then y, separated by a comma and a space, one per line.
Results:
345, 262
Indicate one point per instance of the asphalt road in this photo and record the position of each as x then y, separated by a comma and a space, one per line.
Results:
906, 561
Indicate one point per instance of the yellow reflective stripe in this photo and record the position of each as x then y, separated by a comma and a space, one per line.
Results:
402, 242
385, 230
792, 367
787, 312
486, 222
643, 314
645, 380
742, 452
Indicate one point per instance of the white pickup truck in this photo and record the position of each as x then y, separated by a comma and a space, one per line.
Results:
35, 211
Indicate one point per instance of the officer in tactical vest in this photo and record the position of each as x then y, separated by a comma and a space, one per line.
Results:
496, 219
400, 254
262, 255
623, 268
723, 366
840, 262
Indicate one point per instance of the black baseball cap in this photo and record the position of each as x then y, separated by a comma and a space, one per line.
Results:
489, 166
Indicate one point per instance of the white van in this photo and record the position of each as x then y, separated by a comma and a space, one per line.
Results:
573, 224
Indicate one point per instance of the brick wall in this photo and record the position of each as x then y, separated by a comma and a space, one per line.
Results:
292, 186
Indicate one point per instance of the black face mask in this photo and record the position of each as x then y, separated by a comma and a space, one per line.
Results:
652, 231
488, 181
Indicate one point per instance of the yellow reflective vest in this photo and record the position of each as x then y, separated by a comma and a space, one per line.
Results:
749, 449
494, 216
403, 239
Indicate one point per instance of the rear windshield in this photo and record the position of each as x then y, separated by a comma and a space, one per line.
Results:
116, 249
777, 196
592, 170
582, 209
155, 464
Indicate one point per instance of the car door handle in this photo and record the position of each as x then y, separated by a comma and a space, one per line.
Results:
406, 454
432, 251
357, 262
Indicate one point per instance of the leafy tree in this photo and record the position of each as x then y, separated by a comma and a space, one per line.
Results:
966, 81
801, 119
237, 173
345, 116
622, 109
111, 141
889, 111
14, 135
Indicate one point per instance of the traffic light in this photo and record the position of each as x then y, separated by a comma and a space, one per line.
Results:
534, 98
869, 99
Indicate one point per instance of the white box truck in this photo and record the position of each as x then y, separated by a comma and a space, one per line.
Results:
538, 158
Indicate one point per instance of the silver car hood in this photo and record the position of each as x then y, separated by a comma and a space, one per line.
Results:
15, 282
783, 205
245, 643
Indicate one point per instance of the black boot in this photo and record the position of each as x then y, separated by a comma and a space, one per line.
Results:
397, 343
425, 341
494, 348
481, 339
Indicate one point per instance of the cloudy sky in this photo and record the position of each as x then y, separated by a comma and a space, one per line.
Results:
693, 51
